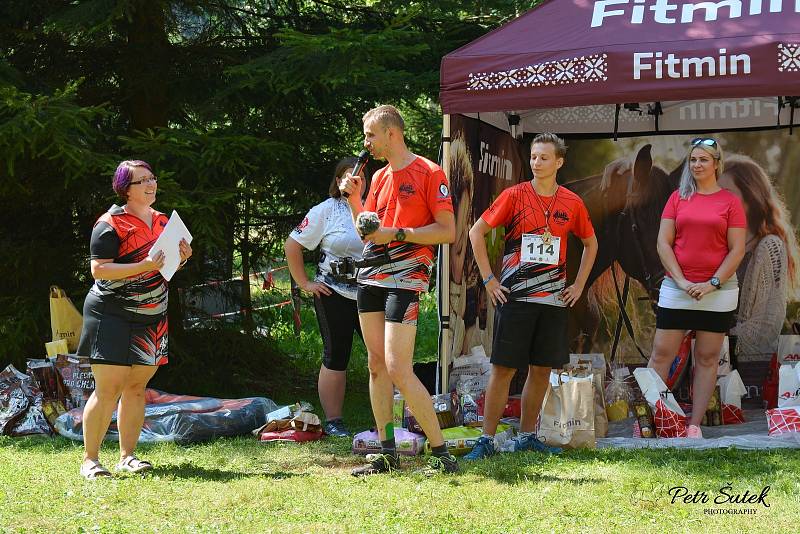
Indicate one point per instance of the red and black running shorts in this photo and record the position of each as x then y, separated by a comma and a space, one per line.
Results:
398, 305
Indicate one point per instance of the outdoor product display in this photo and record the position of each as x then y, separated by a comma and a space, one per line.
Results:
567, 417
713, 414
182, 418
461, 439
645, 423
301, 426
789, 386
76, 374
618, 395
406, 442
731, 390
669, 417
447, 409
782, 420
21, 410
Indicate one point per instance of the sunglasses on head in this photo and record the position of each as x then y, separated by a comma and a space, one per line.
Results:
707, 141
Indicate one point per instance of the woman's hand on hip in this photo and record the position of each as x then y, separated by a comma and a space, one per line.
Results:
318, 289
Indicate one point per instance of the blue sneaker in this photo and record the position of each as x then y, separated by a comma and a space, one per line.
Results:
532, 443
484, 448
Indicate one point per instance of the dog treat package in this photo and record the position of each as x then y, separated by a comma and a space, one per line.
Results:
76, 373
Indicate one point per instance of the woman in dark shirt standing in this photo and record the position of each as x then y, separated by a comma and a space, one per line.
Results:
124, 317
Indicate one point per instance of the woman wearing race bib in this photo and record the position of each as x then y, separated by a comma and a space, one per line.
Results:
700, 243
329, 225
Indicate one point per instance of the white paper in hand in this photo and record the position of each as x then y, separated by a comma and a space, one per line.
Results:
169, 243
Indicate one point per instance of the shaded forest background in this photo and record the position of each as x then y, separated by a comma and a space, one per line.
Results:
242, 107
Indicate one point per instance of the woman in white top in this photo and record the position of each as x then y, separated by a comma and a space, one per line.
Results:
329, 225
769, 268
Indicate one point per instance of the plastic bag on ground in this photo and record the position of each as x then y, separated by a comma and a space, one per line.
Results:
182, 418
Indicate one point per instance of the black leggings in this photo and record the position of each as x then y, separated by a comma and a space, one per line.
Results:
338, 319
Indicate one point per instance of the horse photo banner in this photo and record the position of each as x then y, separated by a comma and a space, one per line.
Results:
625, 185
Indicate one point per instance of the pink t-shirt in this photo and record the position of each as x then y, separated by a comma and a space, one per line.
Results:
701, 230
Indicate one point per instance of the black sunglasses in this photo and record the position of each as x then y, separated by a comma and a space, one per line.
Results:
149, 179
707, 141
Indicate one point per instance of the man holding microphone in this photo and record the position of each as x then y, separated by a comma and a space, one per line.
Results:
412, 200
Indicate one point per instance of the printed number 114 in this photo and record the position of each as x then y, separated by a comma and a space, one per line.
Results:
541, 247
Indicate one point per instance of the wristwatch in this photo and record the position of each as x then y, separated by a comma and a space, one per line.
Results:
715, 282
400, 235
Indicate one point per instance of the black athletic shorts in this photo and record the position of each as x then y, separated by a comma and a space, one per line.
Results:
398, 305
528, 333
337, 317
704, 321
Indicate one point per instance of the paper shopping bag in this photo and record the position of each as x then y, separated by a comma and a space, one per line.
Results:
669, 417
65, 319
789, 386
789, 349
567, 417
731, 389
598, 376
724, 367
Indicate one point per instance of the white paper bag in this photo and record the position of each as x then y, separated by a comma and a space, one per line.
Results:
724, 368
788, 349
789, 386
731, 389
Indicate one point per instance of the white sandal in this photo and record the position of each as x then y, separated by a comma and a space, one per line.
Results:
132, 464
94, 470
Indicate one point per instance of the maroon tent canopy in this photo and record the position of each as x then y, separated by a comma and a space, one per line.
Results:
678, 65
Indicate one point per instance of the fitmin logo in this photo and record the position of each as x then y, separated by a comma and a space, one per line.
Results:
560, 216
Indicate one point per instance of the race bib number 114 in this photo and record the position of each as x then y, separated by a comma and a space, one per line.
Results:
535, 250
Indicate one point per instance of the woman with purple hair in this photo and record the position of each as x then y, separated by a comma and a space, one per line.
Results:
124, 317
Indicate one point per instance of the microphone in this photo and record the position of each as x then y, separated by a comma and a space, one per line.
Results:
361, 161
367, 222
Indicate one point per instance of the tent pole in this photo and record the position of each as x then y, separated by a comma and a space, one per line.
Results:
445, 334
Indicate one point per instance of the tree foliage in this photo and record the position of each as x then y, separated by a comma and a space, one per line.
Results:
242, 107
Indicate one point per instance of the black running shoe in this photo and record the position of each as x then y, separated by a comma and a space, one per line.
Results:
336, 428
378, 463
441, 464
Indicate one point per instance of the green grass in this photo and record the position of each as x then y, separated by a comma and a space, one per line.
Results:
240, 485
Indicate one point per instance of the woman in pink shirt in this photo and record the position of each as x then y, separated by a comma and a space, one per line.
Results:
700, 242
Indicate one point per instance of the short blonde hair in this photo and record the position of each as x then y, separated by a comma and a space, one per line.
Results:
387, 116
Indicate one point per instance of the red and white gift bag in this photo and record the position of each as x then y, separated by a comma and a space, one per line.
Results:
782, 420
731, 389
670, 419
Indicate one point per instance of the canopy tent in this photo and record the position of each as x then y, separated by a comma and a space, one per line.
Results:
605, 68
670, 65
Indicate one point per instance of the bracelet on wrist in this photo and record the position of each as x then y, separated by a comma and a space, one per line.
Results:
488, 279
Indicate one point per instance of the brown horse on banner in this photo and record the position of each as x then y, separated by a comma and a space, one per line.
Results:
625, 205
